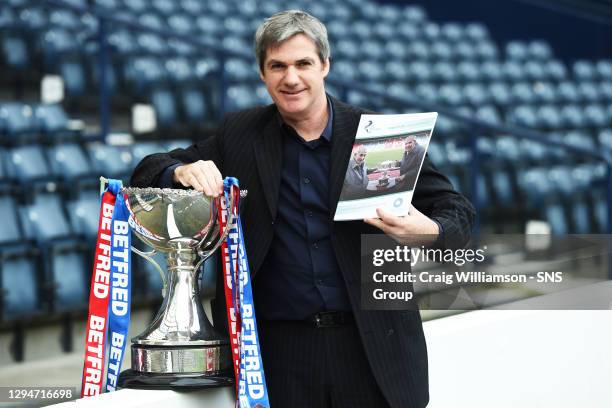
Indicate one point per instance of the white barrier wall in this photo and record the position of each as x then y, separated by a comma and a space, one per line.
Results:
481, 359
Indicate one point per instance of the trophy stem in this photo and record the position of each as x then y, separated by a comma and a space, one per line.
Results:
181, 340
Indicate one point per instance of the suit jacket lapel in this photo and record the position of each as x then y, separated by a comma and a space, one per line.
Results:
268, 156
344, 130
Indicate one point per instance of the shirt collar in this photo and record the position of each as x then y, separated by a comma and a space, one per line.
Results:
327, 132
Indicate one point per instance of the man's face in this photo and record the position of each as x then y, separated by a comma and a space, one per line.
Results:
294, 76
409, 144
360, 156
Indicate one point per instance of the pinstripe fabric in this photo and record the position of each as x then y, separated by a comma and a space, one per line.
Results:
307, 366
248, 147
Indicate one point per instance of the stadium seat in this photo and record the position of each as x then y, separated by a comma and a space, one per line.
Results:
83, 213
141, 149
14, 52
18, 123
110, 161
166, 111
70, 164
28, 166
584, 70
53, 123
19, 280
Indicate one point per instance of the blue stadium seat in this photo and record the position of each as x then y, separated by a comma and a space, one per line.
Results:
453, 31
419, 50
535, 70
441, 50
605, 138
604, 69
568, 92
194, 106
18, 123
122, 41
394, 70
44, 219
73, 74
397, 50
151, 20
70, 164
501, 93
420, 71
444, 71
555, 70
182, 23
164, 7
451, 95
556, 217
491, 70
371, 71
14, 51
239, 97
550, 117
584, 70
56, 44
513, 70
28, 165
149, 43
523, 92
344, 70
166, 112
239, 70
64, 265
110, 161
595, 115
137, 6
143, 72
539, 50
141, 149
573, 116
209, 25
83, 212
486, 50
465, 50
476, 31
517, 51
64, 18
68, 277
414, 14
19, 279
580, 139
545, 92
53, 123
524, 115
476, 94
427, 91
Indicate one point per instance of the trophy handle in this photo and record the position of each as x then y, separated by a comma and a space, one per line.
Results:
148, 256
221, 238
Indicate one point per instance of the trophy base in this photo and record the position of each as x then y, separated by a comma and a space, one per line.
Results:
176, 382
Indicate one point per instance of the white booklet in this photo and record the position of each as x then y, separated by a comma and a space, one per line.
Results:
384, 164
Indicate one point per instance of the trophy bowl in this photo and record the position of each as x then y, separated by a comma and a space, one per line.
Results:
180, 348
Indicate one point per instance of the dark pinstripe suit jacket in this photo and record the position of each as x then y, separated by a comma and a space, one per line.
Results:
248, 146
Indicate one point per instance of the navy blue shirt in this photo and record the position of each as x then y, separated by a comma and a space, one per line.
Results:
300, 275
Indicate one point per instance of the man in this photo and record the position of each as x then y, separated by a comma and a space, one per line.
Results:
411, 161
356, 179
319, 348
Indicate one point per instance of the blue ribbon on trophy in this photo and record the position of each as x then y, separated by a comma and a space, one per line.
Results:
121, 284
252, 391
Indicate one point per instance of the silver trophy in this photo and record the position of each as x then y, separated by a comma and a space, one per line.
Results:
180, 349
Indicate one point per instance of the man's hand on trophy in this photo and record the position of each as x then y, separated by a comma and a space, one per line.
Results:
414, 229
203, 176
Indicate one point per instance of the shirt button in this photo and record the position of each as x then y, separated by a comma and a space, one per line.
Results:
306, 180
315, 245
390, 332
319, 281
309, 213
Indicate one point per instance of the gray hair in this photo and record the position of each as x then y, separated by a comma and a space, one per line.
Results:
284, 25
